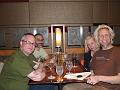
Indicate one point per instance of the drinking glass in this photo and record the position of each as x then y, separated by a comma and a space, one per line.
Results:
69, 65
51, 64
59, 71
65, 57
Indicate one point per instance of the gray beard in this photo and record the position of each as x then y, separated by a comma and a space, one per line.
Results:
106, 47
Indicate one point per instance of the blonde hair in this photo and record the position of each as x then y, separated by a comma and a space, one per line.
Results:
100, 27
86, 41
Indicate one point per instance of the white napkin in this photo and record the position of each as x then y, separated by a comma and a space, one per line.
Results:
75, 75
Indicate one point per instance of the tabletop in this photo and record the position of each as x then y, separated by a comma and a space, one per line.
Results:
54, 81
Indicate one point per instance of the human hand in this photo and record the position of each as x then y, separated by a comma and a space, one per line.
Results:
93, 80
41, 67
38, 76
38, 64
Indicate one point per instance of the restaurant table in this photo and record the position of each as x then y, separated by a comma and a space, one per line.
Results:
47, 81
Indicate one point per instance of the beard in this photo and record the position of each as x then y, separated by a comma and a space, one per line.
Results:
106, 46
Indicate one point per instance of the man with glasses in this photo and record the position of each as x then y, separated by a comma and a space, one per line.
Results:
39, 52
18, 70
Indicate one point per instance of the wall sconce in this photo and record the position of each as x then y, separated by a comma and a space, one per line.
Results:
58, 37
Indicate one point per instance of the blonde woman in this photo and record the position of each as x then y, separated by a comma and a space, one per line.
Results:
91, 47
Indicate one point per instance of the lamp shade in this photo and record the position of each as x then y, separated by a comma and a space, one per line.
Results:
58, 37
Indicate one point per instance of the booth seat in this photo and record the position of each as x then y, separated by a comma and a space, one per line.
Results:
6, 52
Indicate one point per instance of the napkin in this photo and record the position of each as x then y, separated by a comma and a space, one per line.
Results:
78, 76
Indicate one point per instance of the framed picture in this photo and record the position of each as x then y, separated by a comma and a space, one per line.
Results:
74, 36
45, 32
19, 32
17, 35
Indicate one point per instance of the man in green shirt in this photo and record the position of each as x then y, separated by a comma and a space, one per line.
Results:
19, 68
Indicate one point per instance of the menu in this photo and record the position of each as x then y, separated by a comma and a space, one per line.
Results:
78, 76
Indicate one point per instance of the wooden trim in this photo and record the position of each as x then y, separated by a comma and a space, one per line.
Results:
10, 1
6, 52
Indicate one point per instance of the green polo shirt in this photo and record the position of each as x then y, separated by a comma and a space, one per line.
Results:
15, 71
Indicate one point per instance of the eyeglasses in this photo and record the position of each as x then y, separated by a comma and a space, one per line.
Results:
28, 42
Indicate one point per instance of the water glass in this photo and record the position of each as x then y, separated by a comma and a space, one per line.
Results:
69, 65
59, 71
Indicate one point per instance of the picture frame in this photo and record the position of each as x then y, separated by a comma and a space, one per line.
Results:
19, 32
74, 36
45, 32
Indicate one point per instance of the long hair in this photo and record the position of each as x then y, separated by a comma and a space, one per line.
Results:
111, 32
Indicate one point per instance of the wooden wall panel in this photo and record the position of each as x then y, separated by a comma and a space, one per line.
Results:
3, 1
58, 0
114, 13
75, 50
60, 12
67, 0
14, 13
100, 12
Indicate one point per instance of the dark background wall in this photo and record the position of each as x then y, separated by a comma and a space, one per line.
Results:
69, 12
38, 13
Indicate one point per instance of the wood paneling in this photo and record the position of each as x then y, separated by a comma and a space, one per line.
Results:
60, 12
68, 0
68, 12
4, 1
75, 50
59, 0
6, 52
14, 13
100, 12
114, 13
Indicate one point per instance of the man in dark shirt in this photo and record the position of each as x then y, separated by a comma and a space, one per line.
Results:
106, 61
105, 64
